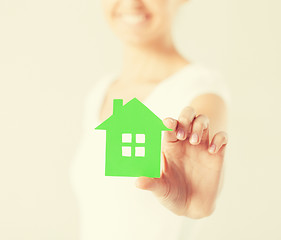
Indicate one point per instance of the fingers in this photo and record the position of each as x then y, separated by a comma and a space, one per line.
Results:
200, 130
181, 127
218, 142
185, 122
170, 136
195, 130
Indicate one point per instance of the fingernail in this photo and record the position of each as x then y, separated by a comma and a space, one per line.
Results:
194, 138
212, 148
180, 134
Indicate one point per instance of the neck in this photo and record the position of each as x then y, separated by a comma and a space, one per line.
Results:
150, 63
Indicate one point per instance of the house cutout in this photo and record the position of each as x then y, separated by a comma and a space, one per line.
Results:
133, 140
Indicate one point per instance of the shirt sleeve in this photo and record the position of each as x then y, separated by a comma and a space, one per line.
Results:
210, 83
189, 85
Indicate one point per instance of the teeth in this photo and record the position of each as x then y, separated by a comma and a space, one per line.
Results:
133, 19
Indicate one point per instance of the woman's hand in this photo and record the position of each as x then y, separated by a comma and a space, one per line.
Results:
192, 168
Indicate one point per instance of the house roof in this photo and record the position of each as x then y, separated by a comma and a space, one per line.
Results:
134, 115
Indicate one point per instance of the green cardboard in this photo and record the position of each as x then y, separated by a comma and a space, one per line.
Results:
133, 140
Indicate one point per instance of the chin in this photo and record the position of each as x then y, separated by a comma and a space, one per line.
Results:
139, 38
136, 40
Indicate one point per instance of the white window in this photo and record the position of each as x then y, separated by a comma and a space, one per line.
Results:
126, 151
139, 151
140, 138
136, 142
127, 137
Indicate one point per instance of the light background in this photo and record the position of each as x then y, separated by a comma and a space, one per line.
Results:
51, 52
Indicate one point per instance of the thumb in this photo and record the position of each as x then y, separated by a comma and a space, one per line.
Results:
158, 186
145, 183
155, 185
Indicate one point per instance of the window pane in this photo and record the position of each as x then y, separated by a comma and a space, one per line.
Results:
127, 137
126, 151
140, 138
139, 151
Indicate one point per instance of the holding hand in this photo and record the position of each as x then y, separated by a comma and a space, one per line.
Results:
192, 166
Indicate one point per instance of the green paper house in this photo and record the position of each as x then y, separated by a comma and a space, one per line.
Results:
133, 140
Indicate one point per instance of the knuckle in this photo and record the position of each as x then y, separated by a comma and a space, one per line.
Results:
189, 109
198, 125
204, 119
172, 121
184, 120
222, 137
203, 116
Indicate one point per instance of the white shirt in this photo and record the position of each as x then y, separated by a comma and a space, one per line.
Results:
112, 208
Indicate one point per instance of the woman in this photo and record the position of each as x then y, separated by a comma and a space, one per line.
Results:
193, 103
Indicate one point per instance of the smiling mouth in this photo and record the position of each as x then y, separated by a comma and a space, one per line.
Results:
133, 19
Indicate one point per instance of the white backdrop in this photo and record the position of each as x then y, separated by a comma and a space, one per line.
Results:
51, 52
